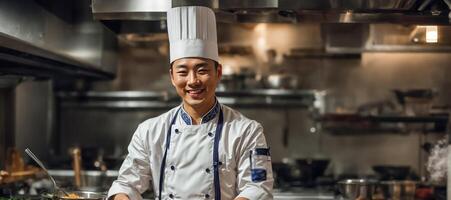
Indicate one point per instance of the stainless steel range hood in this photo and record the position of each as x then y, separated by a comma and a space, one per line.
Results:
293, 11
54, 39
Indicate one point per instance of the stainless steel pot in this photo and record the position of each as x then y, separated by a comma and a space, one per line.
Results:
398, 190
281, 81
357, 188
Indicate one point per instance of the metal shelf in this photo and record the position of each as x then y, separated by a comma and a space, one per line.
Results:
351, 123
262, 98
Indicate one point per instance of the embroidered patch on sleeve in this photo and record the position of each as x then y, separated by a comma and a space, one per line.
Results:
258, 175
262, 152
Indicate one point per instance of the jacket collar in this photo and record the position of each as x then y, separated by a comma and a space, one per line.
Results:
206, 118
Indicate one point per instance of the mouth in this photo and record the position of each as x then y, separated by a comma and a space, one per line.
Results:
195, 93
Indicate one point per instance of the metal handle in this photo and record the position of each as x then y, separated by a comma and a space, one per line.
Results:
31, 154
28, 151
76, 153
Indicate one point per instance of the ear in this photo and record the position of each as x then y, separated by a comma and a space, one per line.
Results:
172, 76
219, 71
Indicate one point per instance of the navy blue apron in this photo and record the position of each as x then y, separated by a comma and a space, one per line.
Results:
216, 162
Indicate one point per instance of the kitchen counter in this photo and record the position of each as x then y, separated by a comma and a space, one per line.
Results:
302, 193
293, 193
277, 196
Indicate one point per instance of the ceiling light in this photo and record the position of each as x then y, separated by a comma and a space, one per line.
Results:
431, 34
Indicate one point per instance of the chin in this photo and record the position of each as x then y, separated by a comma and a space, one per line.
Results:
194, 102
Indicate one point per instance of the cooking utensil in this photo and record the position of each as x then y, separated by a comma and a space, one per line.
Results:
231, 82
416, 101
311, 169
28, 151
282, 174
281, 81
81, 195
76, 157
357, 188
398, 190
403, 95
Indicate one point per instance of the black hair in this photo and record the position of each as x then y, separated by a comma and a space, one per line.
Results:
216, 65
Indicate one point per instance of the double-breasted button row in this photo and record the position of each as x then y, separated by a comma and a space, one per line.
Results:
208, 170
207, 196
177, 131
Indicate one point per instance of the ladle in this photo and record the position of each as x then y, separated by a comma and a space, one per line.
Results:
28, 151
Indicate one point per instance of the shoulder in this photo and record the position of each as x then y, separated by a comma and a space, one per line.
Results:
235, 119
245, 133
158, 121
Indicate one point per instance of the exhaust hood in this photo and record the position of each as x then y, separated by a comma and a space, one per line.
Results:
292, 11
54, 39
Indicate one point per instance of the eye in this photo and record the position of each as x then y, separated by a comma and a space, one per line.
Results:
202, 71
182, 73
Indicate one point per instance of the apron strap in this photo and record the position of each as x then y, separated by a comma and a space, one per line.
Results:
163, 163
216, 156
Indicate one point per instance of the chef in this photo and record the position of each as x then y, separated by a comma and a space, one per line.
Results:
200, 149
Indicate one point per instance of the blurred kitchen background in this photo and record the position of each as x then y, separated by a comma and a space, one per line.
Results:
354, 86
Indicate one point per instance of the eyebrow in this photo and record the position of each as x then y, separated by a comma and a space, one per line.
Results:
204, 64
181, 66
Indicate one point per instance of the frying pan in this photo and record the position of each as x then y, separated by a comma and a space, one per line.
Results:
311, 169
82, 195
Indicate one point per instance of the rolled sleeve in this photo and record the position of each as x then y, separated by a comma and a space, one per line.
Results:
261, 190
134, 174
117, 188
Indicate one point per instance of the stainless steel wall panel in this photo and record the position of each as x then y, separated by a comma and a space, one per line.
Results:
6, 122
34, 107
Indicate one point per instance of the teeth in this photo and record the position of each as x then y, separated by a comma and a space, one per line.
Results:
194, 91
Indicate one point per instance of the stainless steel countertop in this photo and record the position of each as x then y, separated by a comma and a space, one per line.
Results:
279, 194
302, 193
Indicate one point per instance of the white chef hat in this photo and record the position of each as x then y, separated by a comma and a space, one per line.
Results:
192, 33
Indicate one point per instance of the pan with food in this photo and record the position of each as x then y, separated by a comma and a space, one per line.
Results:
75, 195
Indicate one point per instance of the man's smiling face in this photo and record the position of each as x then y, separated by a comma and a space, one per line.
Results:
195, 80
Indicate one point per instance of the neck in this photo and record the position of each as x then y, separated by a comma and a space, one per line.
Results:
198, 111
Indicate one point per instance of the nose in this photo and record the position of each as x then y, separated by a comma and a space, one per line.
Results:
193, 79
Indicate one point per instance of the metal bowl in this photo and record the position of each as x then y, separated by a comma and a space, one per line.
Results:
281, 81
399, 190
357, 188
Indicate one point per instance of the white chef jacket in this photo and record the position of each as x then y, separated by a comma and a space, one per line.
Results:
189, 163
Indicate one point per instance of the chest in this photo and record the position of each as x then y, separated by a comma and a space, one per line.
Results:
192, 146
